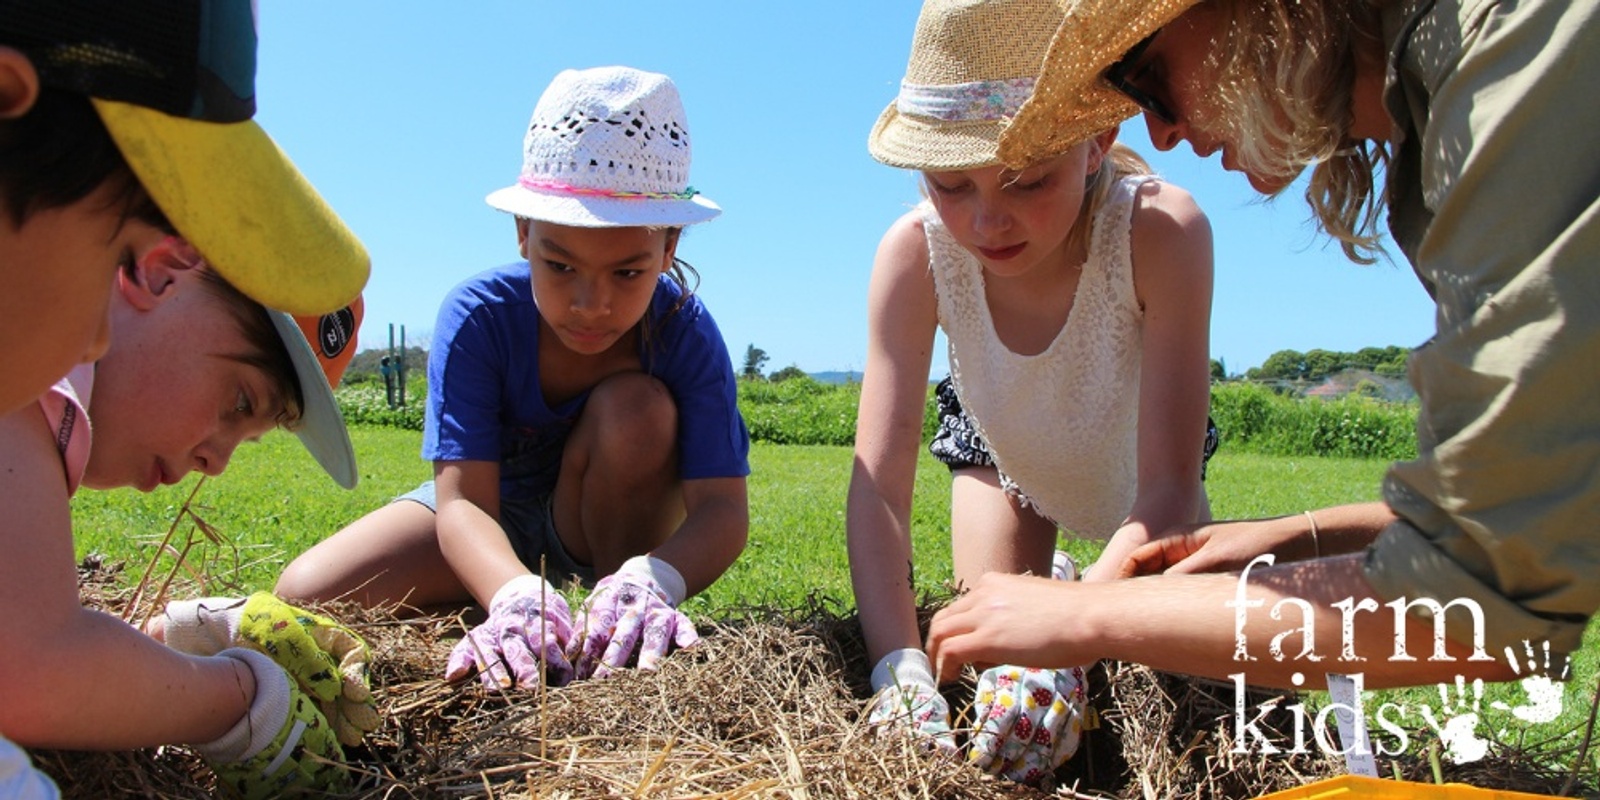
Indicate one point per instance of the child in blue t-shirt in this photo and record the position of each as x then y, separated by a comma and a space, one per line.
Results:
581, 413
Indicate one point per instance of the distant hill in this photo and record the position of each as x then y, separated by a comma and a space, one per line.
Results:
836, 377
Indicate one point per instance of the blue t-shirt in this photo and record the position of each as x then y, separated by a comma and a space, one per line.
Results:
485, 401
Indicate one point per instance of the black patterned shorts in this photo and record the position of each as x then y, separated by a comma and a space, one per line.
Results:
957, 444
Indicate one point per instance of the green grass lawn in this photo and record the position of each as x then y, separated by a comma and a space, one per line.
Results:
274, 502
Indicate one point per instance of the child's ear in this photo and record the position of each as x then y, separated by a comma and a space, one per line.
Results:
19, 83
152, 276
522, 235
1099, 148
673, 235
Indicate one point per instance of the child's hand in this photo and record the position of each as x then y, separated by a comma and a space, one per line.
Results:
628, 609
283, 744
326, 659
1028, 720
906, 695
524, 637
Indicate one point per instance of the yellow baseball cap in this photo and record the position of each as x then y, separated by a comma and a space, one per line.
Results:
174, 83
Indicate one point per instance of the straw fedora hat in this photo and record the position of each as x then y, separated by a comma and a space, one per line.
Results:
1071, 102
973, 63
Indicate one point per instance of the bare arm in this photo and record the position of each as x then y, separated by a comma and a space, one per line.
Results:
715, 528
1193, 624
75, 678
1172, 269
902, 317
470, 536
1228, 546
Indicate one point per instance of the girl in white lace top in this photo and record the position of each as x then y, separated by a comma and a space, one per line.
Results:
1075, 295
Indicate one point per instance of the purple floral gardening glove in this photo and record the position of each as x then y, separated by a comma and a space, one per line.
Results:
522, 643
635, 607
906, 696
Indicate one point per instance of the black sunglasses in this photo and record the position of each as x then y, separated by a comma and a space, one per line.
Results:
1117, 76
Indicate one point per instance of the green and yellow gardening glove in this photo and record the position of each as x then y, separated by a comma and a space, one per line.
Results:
282, 747
327, 660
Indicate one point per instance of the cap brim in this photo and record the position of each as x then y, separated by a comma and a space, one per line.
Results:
907, 142
321, 429
236, 197
602, 212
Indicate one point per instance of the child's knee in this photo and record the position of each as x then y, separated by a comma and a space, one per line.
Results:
303, 580
632, 410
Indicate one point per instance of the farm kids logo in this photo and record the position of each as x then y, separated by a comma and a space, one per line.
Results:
1456, 720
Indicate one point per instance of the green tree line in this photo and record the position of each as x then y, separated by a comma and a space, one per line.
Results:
1315, 365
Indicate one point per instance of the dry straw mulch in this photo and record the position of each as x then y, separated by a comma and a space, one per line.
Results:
765, 706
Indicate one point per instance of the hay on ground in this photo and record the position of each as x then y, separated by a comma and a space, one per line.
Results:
765, 706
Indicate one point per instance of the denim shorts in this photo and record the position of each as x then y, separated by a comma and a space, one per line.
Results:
957, 445
531, 528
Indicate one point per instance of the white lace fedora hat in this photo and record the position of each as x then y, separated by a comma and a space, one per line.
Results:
607, 147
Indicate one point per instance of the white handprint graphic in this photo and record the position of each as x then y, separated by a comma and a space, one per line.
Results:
1460, 730
1544, 694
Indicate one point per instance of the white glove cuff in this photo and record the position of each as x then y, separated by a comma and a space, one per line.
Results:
660, 573
908, 667
522, 585
203, 627
267, 714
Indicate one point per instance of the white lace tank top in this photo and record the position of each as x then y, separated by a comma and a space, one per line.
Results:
1063, 424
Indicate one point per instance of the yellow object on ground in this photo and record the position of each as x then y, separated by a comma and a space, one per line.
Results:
1356, 787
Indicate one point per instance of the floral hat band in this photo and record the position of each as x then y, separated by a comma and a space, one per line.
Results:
979, 101
973, 65
557, 187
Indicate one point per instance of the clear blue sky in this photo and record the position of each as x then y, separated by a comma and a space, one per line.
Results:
406, 114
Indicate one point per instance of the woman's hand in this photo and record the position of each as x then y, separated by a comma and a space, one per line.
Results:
1221, 547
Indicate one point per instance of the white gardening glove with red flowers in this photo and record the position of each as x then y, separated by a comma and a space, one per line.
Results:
1028, 721
634, 608
904, 694
523, 643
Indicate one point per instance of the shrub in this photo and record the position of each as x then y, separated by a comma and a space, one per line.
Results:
367, 403
803, 410
1255, 419
800, 410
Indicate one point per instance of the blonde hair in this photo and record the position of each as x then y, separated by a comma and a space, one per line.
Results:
1120, 162
1285, 73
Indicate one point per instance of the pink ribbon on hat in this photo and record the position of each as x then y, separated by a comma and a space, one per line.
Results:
567, 188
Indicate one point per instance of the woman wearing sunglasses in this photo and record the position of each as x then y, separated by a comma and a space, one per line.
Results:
1475, 113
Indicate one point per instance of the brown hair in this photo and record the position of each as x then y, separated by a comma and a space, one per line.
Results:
1285, 75
58, 153
679, 271
266, 350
